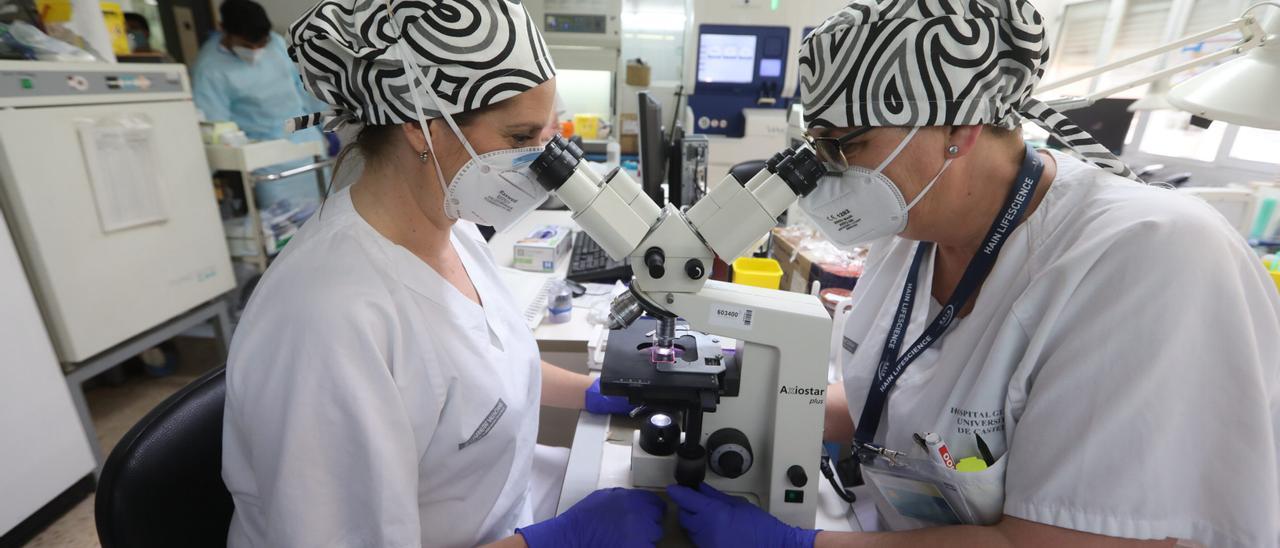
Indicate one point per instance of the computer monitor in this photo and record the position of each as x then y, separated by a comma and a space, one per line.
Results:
727, 58
653, 148
1107, 121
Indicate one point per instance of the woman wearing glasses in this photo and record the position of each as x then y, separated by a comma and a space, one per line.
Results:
1043, 351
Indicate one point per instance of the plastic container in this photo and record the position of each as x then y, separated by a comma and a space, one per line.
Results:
757, 272
559, 303
587, 125
612, 154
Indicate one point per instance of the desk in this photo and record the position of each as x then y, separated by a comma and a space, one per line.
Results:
568, 337
563, 344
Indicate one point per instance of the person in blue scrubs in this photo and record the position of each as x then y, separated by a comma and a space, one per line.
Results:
244, 75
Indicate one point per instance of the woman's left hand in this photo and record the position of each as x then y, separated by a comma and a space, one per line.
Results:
601, 404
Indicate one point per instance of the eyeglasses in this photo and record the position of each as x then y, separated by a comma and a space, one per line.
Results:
831, 149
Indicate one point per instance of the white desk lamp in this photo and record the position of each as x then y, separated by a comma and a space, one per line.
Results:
1241, 91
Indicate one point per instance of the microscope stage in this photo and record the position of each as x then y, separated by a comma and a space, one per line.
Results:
629, 370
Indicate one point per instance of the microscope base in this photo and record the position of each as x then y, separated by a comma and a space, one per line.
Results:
657, 472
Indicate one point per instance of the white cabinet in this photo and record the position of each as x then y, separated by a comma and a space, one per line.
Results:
43, 449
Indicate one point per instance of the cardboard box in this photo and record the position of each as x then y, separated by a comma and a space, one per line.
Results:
629, 137
542, 250
799, 270
638, 74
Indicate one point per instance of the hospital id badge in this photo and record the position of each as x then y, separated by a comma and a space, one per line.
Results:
912, 496
924, 491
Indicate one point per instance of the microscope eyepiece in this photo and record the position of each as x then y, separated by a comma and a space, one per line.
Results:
556, 163
772, 163
801, 171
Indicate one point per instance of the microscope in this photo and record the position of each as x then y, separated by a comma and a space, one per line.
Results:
750, 413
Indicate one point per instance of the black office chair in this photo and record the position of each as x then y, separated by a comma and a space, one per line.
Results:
744, 171
162, 485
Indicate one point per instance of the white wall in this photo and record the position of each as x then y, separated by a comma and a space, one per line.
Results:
283, 12
1051, 10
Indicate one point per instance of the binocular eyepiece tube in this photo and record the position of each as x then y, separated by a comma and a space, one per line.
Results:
613, 209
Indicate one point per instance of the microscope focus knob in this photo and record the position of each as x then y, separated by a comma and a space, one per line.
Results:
730, 452
695, 269
730, 464
656, 260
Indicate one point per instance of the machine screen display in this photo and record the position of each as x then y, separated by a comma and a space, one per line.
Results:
561, 22
727, 58
770, 68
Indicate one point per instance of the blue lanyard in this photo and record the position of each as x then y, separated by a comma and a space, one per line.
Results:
892, 364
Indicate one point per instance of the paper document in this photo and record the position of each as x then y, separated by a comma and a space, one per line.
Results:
120, 157
530, 291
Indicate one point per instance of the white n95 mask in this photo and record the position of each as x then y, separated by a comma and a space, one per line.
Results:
248, 55
495, 189
860, 205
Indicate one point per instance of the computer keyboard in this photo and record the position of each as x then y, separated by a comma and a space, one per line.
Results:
590, 263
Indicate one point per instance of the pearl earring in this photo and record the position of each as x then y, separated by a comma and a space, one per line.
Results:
953, 150
424, 156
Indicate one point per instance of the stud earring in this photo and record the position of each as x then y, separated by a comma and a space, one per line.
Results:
953, 150
424, 156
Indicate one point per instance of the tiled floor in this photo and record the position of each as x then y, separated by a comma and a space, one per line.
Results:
115, 409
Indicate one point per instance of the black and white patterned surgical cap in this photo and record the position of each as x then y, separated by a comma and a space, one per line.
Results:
935, 63
473, 53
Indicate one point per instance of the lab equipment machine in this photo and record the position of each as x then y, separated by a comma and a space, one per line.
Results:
687, 169
585, 39
108, 195
738, 67
747, 419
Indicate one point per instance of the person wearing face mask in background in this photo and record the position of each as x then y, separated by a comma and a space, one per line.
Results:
243, 74
1104, 350
382, 388
138, 30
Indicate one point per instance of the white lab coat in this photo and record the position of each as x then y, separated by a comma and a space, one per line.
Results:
370, 403
1121, 362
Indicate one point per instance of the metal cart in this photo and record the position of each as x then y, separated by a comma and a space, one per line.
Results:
248, 158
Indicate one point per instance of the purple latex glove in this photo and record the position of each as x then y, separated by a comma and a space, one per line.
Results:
614, 517
601, 404
714, 519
